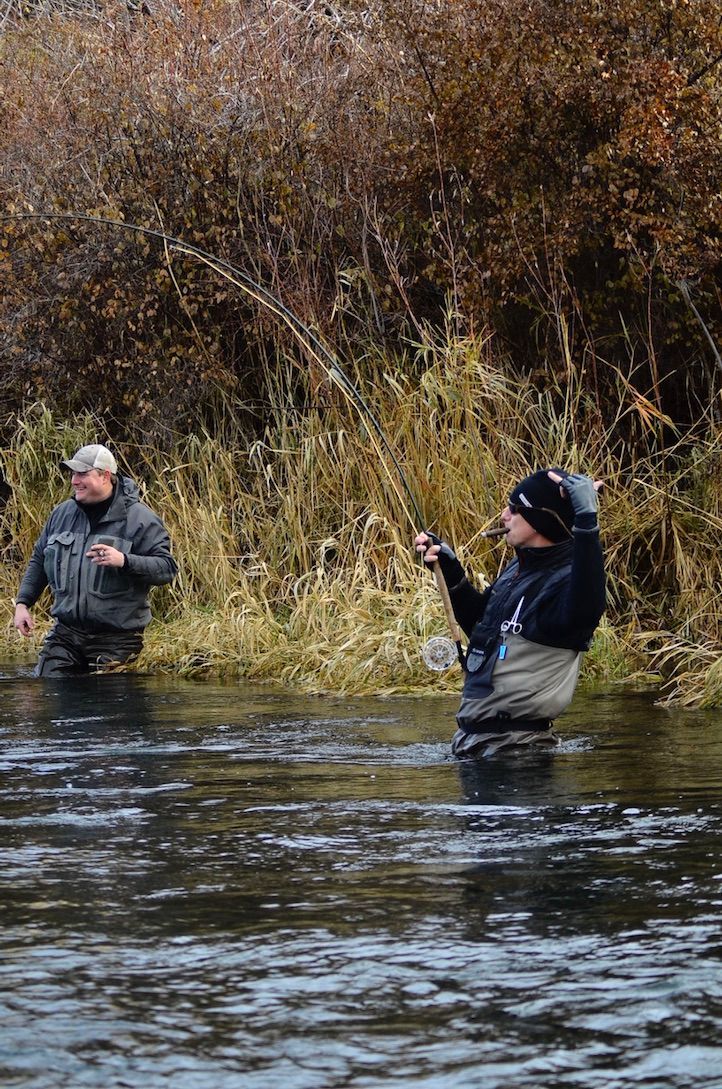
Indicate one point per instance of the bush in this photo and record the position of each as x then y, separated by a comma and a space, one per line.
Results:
547, 170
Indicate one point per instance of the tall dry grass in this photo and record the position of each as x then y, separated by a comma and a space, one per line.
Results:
295, 550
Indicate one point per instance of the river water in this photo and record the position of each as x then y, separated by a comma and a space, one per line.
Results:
224, 887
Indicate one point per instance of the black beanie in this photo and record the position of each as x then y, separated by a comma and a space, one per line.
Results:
543, 507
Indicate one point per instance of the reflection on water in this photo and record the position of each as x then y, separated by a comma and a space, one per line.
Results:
220, 887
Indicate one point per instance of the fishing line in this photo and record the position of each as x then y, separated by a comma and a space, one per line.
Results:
304, 334
317, 349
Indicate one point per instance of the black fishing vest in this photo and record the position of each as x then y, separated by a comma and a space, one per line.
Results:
517, 598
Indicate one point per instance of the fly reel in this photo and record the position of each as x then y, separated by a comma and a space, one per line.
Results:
439, 653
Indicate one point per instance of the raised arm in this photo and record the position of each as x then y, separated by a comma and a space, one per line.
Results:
581, 605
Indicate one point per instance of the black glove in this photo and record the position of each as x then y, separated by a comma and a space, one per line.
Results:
451, 569
583, 498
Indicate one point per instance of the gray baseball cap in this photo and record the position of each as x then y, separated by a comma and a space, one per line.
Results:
92, 457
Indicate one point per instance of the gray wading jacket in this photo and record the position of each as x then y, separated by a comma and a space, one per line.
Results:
527, 632
96, 598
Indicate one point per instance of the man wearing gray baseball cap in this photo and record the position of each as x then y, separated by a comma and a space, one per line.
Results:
99, 553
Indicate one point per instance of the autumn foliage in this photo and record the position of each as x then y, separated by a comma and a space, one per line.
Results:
550, 171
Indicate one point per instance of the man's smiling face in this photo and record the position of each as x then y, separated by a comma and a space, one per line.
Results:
92, 486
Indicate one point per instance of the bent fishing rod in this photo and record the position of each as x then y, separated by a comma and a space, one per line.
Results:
309, 341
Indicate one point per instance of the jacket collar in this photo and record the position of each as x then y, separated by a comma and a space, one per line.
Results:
124, 494
537, 559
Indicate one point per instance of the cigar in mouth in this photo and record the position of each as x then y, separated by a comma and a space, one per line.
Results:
498, 532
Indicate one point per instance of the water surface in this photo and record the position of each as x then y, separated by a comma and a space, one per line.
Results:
223, 887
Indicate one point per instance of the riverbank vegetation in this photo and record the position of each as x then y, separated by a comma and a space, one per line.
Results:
504, 219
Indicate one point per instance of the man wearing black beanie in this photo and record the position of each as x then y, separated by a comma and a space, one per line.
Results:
528, 630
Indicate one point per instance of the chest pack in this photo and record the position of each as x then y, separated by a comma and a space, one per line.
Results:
515, 607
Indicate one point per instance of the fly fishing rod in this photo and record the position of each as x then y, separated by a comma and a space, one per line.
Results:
316, 349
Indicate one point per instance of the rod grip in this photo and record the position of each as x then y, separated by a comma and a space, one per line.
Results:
446, 600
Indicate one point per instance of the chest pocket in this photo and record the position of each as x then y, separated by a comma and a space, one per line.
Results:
57, 560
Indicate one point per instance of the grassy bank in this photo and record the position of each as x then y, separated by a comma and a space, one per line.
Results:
294, 550
506, 216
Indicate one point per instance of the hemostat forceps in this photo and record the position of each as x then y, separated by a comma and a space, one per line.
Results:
513, 625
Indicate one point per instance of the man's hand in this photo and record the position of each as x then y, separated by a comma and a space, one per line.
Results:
106, 556
431, 546
581, 489
23, 621
428, 549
